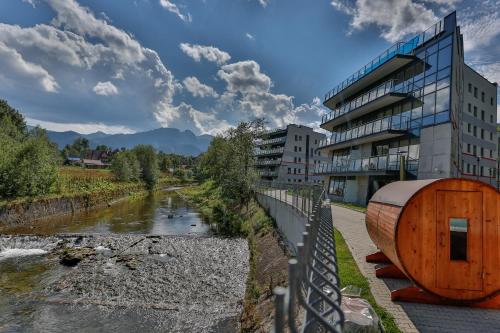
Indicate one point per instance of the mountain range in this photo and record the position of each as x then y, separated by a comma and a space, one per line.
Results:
168, 140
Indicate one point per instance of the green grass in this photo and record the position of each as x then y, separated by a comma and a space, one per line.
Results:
350, 275
352, 206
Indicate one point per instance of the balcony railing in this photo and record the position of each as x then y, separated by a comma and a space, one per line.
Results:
281, 139
260, 152
390, 86
400, 48
368, 164
268, 173
377, 126
268, 162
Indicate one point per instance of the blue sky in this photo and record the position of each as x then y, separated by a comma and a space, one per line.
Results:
204, 65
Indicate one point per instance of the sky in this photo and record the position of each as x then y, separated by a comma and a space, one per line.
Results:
204, 65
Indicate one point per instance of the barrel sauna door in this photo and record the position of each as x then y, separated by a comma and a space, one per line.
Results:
459, 240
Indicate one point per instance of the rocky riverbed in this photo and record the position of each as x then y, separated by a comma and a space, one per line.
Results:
123, 283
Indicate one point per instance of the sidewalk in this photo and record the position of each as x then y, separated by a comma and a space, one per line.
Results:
410, 317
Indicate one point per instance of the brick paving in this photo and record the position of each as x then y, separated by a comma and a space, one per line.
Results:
410, 317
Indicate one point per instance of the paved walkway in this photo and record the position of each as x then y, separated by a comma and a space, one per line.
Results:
410, 317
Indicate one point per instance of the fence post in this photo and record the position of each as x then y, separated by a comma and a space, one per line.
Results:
279, 316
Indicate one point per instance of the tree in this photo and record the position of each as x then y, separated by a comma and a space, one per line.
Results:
125, 166
229, 162
148, 161
77, 148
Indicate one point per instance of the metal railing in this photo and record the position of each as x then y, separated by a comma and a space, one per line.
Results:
278, 140
380, 125
259, 152
313, 281
389, 162
267, 173
268, 162
400, 48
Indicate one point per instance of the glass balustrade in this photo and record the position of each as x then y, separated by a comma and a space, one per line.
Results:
400, 48
377, 163
396, 122
268, 162
278, 150
390, 86
271, 141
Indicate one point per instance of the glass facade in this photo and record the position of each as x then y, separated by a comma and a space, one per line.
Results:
427, 82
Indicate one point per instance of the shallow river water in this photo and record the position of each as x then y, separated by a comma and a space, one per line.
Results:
116, 289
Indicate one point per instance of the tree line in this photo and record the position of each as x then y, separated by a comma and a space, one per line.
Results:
30, 162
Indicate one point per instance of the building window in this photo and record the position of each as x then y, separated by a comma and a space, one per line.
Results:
474, 169
295, 160
289, 180
482, 115
299, 171
300, 148
296, 138
295, 148
482, 151
315, 141
491, 119
468, 147
491, 101
474, 150
481, 171
482, 96
312, 152
300, 137
474, 132
469, 108
289, 171
300, 160
458, 239
294, 171
475, 111
491, 136
470, 87
482, 133
475, 92
468, 168
468, 127
491, 153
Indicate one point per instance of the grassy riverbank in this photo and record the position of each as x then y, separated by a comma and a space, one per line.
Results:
99, 185
350, 275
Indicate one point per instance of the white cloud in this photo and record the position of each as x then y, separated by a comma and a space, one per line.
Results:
15, 67
173, 8
31, 2
479, 28
75, 51
396, 18
105, 89
210, 53
250, 36
198, 89
245, 76
264, 3
80, 128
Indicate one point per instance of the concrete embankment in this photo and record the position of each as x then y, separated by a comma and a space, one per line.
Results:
126, 283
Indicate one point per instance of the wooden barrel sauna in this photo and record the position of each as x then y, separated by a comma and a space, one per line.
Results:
442, 234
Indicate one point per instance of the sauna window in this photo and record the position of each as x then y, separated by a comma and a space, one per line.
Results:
458, 239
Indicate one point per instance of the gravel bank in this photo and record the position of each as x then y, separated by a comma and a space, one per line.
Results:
152, 283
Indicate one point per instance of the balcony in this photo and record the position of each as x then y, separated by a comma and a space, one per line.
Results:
264, 152
378, 165
395, 57
268, 162
275, 141
380, 129
384, 95
267, 173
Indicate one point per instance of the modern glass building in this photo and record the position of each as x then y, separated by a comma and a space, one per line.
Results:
418, 99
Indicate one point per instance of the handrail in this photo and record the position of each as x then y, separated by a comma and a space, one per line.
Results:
313, 282
268, 162
399, 48
395, 122
278, 150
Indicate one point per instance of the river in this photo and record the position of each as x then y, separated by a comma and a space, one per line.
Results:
152, 265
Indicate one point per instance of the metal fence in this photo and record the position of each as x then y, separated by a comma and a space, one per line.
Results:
311, 302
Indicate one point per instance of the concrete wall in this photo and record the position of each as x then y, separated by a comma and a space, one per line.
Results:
290, 221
